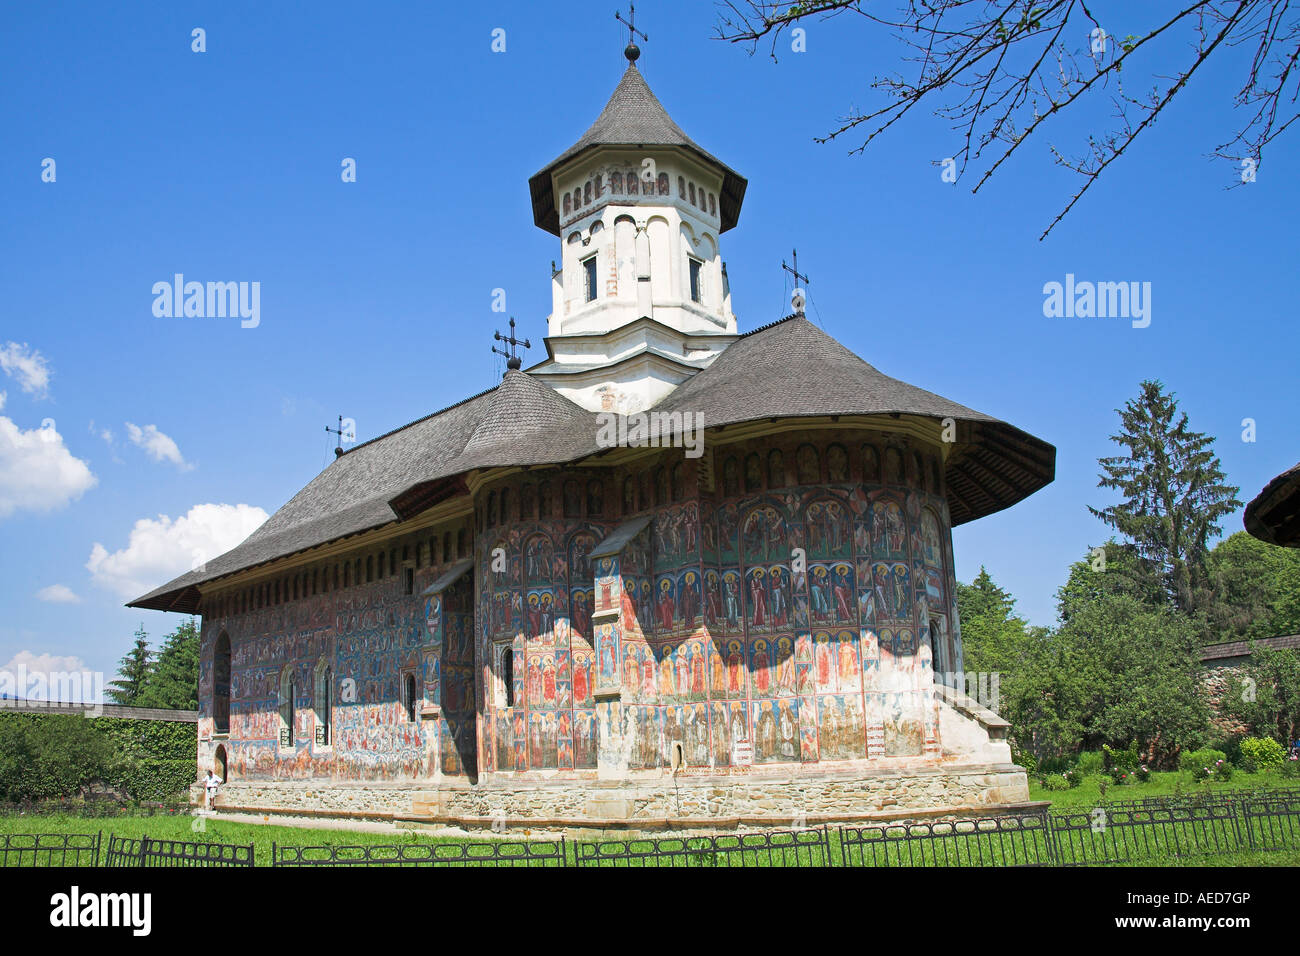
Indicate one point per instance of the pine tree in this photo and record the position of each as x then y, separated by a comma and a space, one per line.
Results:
174, 680
133, 672
1175, 494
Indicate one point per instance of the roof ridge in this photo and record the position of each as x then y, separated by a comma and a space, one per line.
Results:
423, 418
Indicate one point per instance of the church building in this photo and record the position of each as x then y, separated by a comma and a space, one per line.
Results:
673, 575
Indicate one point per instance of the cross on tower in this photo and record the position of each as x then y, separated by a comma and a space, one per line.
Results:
512, 360
632, 51
798, 277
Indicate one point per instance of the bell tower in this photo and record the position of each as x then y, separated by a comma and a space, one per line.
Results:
640, 299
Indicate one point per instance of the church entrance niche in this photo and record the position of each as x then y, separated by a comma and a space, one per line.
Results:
219, 763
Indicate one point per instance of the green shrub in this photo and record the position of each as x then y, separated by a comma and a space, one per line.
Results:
1026, 759
1198, 762
1262, 753
1091, 762
1143, 773
1290, 768
1073, 777
49, 755
1054, 783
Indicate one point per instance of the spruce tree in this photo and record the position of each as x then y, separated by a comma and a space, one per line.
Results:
133, 672
1175, 494
174, 679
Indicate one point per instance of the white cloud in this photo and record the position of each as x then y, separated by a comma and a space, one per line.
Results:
3, 396
159, 550
158, 446
50, 677
26, 365
37, 472
57, 594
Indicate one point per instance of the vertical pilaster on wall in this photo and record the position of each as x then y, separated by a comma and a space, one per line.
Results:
871, 687
607, 630
435, 635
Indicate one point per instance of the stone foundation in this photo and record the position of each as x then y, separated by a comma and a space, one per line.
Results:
681, 803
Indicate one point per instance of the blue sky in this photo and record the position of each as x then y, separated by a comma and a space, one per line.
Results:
225, 165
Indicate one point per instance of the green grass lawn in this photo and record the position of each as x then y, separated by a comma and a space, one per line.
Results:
1088, 793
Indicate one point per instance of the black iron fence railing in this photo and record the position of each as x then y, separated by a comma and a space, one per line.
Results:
800, 848
1021, 840
147, 851
504, 853
50, 849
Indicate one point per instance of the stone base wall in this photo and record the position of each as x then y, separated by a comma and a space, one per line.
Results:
667, 803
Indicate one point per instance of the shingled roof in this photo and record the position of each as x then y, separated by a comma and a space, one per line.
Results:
793, 368
632, 117
789, 369
1274, 514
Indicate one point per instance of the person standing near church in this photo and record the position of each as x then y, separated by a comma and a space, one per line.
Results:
210, 786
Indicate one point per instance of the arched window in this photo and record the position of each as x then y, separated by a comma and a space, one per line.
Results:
572, 499
410, 697
681, 187
221, 684
690, 188
775, 469
219, 763
586, 193
661, 487
577, 197
324, 686
679, 482
713, 205
505, 505
568, 204
616, 182
544, 500
508, 675
753, 473
629, 496
631, 182
837, 463
595, 498
810, 472
662, 183
600, 185
730, 478
870, 463
287, 729
461, 550
492, 509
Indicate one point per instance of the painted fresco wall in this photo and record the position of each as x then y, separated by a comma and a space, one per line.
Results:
788, 608
538, 601
725, 636
365, 639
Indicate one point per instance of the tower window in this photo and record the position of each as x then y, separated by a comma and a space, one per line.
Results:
589, 277
696, 291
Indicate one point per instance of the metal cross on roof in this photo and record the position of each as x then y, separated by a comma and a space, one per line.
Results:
631, 52
512, 360
798, 277
343, 433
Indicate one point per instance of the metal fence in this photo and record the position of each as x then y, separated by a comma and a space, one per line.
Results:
50, 849
1111, 834
1022, 840
146, 851
504, 853
1272, 822
772, 848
